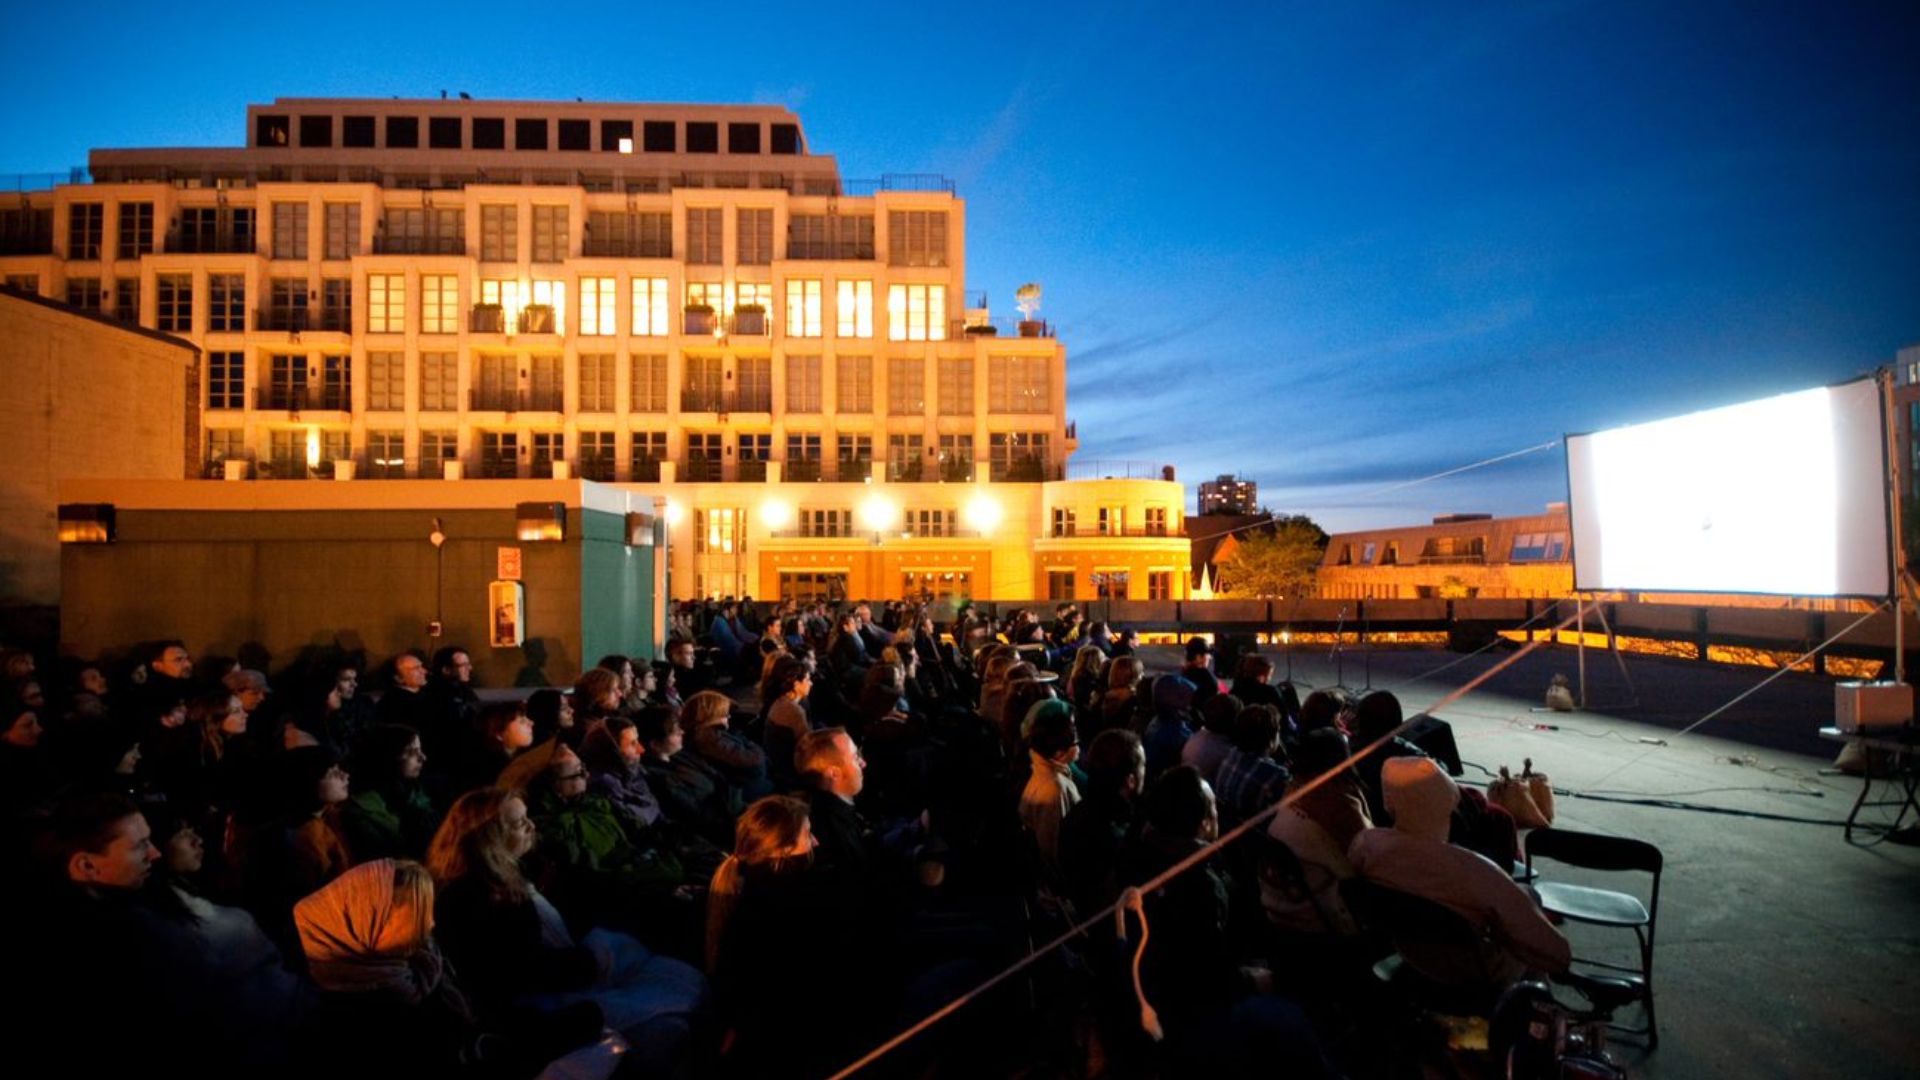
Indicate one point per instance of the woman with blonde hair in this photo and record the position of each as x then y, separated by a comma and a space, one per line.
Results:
1086, 676
774, 914
706, 720
517, 954
1121, 705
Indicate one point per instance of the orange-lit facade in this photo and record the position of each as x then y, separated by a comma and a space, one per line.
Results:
682, 300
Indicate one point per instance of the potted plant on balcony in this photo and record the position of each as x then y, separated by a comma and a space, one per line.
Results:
699, 318
750, 319
489, 319
1027, 299
982, 329
536, 319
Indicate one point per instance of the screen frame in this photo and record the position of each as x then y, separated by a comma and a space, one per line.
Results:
1891, 564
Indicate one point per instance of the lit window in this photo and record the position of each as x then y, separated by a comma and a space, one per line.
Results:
917, 312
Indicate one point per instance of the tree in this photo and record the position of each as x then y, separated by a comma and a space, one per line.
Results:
1276, 562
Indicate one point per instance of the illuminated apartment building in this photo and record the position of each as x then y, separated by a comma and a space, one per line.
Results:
677, 299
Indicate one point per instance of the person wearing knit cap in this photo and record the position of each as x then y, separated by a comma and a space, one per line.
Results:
1053, 744
1414, 857
1172, 723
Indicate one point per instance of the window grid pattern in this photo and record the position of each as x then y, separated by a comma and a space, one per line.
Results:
342, 223
549, 234
596, 382
755, 236
598, 309
387, 381
917, 312
803, 308
289, 230
1018, 384
386, 303
652, 311
917, 237
226, 380
803, 384
227, 302
439, 304
649, 389
704, 236
853, 309
439, 382
173, 299
499, 233
853, 384
906, 386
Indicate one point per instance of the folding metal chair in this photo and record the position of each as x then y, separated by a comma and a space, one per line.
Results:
1604, 907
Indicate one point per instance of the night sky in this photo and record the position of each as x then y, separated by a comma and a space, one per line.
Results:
1334, 250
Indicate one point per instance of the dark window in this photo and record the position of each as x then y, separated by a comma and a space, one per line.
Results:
703, 137
612, 131
271, 131
786, 138
530, 134
489, 133
659, 136
576, 134
403, 131
743, 138
316, 131
443, 133
356, 131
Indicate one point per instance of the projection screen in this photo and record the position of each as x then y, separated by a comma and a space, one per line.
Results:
1784, 495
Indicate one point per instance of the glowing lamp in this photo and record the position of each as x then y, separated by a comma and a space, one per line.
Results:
777, 513
313, 448
879, 513
675, 513
982, 513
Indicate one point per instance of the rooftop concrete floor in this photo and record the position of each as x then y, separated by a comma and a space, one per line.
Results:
1783, 950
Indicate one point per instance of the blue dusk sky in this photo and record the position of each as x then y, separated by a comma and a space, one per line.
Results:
1332, 247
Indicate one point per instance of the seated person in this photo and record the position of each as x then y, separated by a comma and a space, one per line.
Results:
1051, 793
516, 953
691, 792
368, 940
602, 870
1317, 827
1172, 724
1099, 825
1250, 779
707, 720
388, 815
1414, 857
1209, 746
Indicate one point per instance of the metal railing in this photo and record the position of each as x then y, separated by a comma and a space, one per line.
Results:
1003, 326
45, 181
804, 472
1025, 471
623, 247
419, 245
700, 468
698, 323
303, 398
515, 400
751, 471
213, 242
645, 470
1114, 469
487, 319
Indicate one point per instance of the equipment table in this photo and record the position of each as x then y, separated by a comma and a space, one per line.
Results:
1902, 747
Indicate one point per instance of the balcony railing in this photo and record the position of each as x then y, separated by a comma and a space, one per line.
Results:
302, 398
645, 470
851, 531
419, 245
700, 468
211, 242
805, 472
1459, 559
536, 319
751, 324
1001, 327
487, 319
1136, 532
727, 401
698, 323
285, 319
26, 243
622, 247
1025, 471
516, 400
752, 471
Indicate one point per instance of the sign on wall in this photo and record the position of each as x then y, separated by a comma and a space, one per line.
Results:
506, 614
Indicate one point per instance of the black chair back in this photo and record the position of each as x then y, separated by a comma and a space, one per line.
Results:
1593, 851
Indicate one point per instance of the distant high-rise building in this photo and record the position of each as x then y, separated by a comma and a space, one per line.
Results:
1229, 495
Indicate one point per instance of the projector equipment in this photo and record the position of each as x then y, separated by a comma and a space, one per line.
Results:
1872, 706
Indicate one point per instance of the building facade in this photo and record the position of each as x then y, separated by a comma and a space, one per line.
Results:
1457, 556
1228, 494
677, 298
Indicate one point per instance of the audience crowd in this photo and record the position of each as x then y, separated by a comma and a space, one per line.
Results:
801, 829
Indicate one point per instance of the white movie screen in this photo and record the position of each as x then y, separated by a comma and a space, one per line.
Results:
1784, 495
